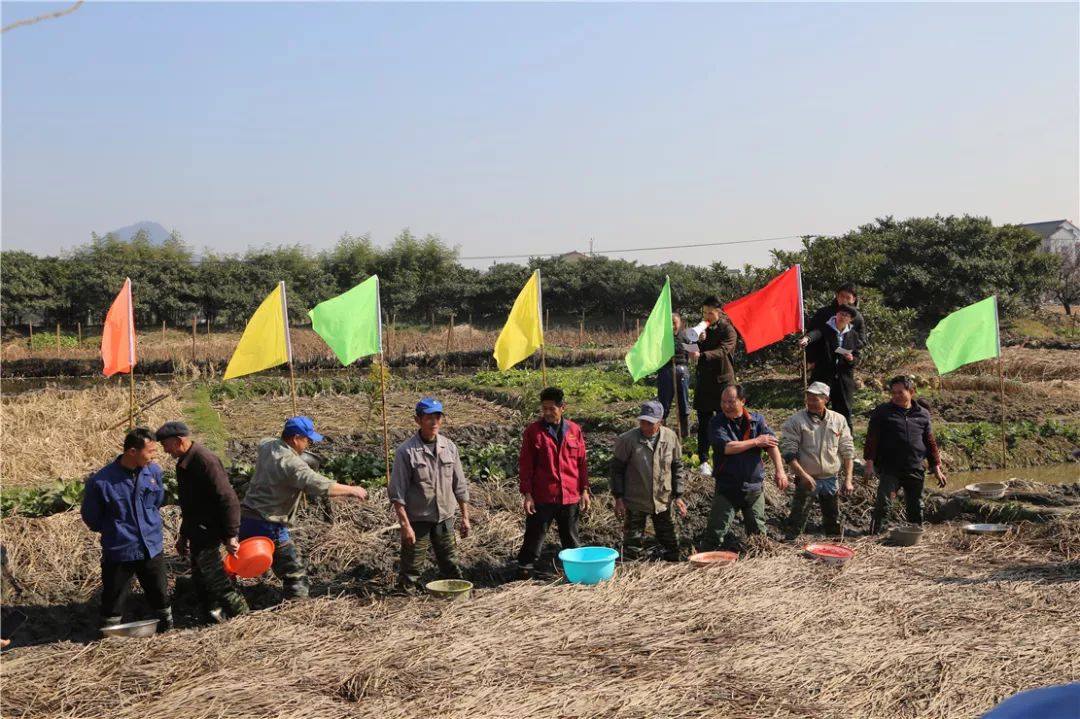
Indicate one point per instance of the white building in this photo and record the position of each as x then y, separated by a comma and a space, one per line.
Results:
1057, 234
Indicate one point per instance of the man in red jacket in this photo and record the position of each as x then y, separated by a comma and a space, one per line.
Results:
554, 478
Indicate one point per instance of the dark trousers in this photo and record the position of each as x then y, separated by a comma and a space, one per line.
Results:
911, 483
666, 533
667, 390
116, 585
536, 527
704, 416
288, 564
726, 502
830, 512
439, 536
212, 584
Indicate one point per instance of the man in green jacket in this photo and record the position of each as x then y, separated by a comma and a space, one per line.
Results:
273, 497
646, 480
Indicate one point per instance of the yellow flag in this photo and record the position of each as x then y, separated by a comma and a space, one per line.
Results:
265, 342
523, 333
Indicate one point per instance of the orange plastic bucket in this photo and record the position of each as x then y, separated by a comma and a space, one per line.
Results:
254, 557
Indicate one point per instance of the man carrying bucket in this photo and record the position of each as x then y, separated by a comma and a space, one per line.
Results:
122, 503
738, 437
646, 480
427, 486
816, 443
553, 477
273, 497
210, 517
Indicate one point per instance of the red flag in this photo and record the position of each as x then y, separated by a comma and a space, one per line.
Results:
771, 313
118, 335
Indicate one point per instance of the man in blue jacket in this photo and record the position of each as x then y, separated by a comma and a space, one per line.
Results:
122, 503
738, 438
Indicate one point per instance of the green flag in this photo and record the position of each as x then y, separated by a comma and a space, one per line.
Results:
656, 345
968, 335
351, 323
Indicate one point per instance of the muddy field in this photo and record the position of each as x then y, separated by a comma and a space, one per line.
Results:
339, 417
698, 640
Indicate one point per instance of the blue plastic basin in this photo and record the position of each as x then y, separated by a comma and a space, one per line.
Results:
588, 565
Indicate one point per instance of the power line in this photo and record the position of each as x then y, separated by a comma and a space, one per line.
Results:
46, 16
638, 249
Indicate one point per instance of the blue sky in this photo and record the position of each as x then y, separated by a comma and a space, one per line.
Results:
529, 128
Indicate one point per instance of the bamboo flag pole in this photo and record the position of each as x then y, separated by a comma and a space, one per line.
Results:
1001, 384
288, 346
131, 356
539, 316
802, 326
382, 384
1001, 379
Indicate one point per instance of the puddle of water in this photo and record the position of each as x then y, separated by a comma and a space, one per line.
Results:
1066, 473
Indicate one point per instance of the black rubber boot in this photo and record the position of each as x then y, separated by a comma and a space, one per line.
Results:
830, 514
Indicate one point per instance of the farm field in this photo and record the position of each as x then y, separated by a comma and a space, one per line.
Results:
701, 636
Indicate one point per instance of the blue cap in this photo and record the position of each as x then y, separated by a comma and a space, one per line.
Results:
429, 406
302, 426
652, 411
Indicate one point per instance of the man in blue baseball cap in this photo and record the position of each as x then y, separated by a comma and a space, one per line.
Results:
273, 497
427, 486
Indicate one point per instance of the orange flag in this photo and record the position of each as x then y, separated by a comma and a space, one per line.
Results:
118, 335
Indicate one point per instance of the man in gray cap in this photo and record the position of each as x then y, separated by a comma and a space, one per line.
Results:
817, 443
646, 480
210, 518
427, 486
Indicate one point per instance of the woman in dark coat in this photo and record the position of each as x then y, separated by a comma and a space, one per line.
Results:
834, 351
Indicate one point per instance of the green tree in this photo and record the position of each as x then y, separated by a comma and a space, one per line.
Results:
1067, 288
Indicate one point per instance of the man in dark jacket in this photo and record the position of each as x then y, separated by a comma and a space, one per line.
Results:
673, 380
899, 442
845, 295
553, 477
715, 371
122, 503
210, 517
834, 352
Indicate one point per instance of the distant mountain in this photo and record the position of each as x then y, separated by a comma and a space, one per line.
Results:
158, 234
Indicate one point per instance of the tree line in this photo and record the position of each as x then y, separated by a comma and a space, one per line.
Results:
916, 270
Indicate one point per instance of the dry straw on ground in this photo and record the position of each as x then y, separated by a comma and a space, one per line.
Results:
61, 434
944, 629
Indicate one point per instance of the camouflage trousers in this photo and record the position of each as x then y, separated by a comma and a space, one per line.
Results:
213, 585
664, 526
439, 536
